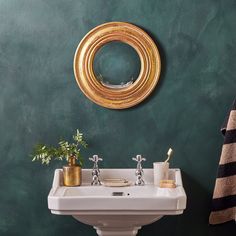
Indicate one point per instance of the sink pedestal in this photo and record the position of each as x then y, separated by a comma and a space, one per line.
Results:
117, 225
104, 231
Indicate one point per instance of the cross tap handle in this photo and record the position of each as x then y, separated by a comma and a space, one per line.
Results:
95, 159
139, 158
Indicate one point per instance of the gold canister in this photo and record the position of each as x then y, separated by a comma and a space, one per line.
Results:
72, 173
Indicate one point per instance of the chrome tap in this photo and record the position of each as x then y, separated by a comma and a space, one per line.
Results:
95, 172
139, 170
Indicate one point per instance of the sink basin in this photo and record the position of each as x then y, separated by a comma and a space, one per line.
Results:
117, 210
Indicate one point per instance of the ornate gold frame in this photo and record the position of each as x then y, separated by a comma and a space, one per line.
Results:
123, 97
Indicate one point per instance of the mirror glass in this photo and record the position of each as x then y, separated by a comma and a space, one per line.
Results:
116, 65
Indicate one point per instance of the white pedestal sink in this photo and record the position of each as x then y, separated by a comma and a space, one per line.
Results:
120, 215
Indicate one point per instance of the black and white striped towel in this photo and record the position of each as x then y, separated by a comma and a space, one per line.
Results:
224, 196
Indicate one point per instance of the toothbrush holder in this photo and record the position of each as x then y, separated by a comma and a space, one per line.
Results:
160, 172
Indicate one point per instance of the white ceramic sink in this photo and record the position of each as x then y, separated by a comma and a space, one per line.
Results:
117, 215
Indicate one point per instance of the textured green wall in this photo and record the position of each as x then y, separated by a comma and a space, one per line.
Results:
40, 102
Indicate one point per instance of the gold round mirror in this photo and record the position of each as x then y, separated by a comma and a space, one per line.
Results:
124, 95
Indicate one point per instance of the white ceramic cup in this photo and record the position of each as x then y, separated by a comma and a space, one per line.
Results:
160, 171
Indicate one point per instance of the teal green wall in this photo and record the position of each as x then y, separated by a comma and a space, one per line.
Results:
40, 102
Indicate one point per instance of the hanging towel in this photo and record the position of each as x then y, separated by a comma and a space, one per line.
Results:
224, 196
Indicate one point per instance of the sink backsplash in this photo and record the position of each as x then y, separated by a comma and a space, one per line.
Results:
128, 174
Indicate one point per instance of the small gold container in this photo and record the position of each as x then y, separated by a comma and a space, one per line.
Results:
72, 173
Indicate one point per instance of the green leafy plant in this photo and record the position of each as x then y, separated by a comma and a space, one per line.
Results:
63, 151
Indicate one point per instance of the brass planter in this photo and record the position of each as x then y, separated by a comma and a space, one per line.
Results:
72, 173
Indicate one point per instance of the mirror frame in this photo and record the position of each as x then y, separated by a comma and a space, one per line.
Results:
127, 96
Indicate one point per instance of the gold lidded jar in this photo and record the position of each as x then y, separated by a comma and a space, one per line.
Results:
72, 173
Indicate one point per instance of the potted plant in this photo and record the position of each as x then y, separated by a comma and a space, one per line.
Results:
64, 151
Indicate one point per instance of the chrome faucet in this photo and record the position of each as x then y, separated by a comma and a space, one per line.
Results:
139, 170
95, 172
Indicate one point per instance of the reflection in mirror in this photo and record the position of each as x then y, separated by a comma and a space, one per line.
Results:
116, 65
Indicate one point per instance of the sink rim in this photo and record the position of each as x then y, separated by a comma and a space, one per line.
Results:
129, 192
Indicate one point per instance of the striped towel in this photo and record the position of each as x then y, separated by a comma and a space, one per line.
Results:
224, 196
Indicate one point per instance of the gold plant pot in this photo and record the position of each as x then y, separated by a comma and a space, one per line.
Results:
72, 173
